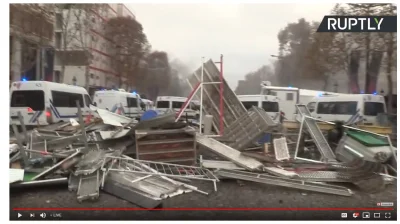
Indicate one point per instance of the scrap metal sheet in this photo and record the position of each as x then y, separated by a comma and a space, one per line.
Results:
89, 186
249, 128
285, 182
130, 194
281, 149
114, 134
280, 172
16, 175
215, 164
229, 153
112, 118
155, 186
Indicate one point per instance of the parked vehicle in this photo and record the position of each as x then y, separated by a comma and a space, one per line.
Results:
163, 103
342, 107
120, 102
288, 97
43, 103
269, 103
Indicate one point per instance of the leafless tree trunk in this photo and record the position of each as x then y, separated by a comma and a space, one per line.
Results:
389, 73
66, 39
367, 52
84, 28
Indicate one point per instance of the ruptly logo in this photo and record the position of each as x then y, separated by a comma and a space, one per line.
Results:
358, 24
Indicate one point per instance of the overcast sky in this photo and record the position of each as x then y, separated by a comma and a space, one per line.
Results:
245, 33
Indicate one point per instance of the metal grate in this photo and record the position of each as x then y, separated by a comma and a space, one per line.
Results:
126, 164
249, 128
316, 133
281, 149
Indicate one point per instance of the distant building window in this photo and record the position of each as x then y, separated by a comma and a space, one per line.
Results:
57, 76
59, 21
58, 40
289, 96
91, 75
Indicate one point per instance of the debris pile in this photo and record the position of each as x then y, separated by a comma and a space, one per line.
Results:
94, 156
148, 161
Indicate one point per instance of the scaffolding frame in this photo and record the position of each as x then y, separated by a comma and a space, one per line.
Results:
200, 86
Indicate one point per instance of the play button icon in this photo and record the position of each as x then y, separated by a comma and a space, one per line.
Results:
19, 215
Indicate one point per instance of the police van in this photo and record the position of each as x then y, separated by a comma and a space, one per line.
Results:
175, 103
119, 102
269, 103
44, 103
343, 107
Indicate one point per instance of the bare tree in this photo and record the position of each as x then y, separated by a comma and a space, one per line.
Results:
294, 40
390, 48
158, 74
74, 44
130, 47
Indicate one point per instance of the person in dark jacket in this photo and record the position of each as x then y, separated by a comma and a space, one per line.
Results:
281, 117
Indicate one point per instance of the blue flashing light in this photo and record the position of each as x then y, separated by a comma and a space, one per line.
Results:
362, 92
374, 93
134, 92
24, 79
290, 86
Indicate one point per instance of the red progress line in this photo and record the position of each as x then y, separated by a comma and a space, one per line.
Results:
204, 209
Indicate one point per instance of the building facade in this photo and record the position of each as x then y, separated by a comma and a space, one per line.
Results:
31, 42
82, 48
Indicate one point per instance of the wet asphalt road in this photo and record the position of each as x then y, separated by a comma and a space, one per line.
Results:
230, 194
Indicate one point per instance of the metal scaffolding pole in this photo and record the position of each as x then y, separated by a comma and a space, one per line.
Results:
201, 94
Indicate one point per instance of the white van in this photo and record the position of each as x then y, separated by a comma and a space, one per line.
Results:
44, 103
269, 103
120, 102
290, 96
175, 103
342, 107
